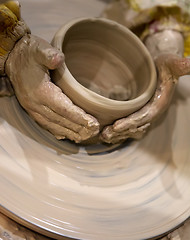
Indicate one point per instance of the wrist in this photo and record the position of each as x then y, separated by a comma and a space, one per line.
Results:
8, 41
165, 42
12, 29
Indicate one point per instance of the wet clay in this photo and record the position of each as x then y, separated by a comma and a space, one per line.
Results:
108, 72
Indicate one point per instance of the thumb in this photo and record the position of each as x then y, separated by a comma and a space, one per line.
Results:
47, 55
179, 66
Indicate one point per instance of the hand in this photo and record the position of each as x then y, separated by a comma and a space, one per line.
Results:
28, 69
170, 68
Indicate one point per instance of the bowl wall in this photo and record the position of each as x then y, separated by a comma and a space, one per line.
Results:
108, 71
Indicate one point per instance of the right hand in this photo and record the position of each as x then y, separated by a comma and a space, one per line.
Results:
170, 67
28, 67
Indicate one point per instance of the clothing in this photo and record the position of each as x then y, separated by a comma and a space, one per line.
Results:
145, 17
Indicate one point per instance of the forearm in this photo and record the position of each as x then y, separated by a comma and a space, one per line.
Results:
12, 29
162, 46
8, 42
165, 42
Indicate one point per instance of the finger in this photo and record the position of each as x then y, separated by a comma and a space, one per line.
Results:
135, 132
130, 122
122, 125
53, 97
138, 132
47, 55
58, 131
54, 117
18, 31
110, 136
139, 118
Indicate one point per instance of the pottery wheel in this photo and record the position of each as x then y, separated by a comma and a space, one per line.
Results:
133, 191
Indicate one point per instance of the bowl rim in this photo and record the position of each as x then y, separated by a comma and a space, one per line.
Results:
93, 97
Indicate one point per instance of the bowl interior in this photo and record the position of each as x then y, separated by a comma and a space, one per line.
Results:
106, 60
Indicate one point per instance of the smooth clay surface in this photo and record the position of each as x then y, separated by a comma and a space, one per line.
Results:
134, 191
108, 71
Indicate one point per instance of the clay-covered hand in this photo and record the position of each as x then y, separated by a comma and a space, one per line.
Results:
28, 68
170, 68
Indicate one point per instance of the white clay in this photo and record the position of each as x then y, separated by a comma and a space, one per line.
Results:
109, 59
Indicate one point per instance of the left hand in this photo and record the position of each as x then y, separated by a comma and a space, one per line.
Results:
170, 68
28, 68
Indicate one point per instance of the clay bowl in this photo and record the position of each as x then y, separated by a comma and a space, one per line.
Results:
108, 71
